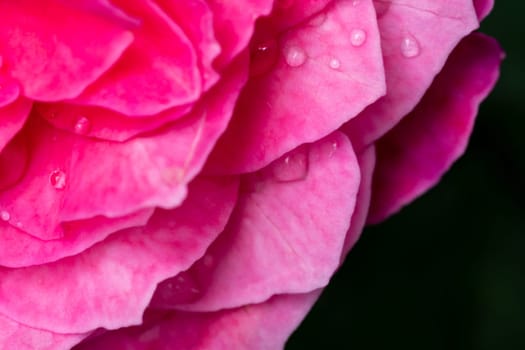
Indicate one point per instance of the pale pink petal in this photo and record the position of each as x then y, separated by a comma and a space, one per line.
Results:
151, 75
15, 336
20, 249
319, 81
110, 284
287, 232
416, 38
264, 326
51, 61
136, 178
412, 157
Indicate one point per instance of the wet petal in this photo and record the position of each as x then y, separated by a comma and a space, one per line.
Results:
321, 79
110, 284
68, 174
287, 232
413, 156
416, 38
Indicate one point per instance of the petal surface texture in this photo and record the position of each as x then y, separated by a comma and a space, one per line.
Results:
413, 156
49, 60
417, 37
317, 80
287, 232
110, 284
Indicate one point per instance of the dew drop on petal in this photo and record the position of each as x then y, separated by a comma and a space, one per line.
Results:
295, 56
357, 37
334, 63
291, 167
57, 179
82, 126
355, 3
263, 57
4, 215
410, 47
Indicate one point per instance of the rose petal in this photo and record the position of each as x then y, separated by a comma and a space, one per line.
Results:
150, 76
139, 180
50, 61
234, 23
367, 160
284, 237
9, 90
416, 38
12, 119
259, 326
19, 249
304, 102
199, 29
110, 284
413, 156
483, 7
103, 123
14, 335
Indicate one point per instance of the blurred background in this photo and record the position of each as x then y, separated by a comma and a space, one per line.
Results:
448, 271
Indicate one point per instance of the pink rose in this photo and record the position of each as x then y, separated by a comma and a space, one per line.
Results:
190, 174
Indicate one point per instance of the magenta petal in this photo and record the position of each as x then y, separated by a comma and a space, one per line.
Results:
304, 102
483, 7
264, 326
233, 23
416, 38
16, 336
12, 119
141, 180
19, 249
103, 123
367, 160
9, 90
196, 19
110, 284
51, 61
413, 156
287, 232
150, 76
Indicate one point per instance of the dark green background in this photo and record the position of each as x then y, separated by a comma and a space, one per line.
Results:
448, 272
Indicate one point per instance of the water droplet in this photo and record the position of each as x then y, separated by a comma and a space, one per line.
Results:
357, 37
318, 20
5, 216
263, 57
291, 167
355, 3
57, 178
295, 56
82, 126
334, 63
410, 47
